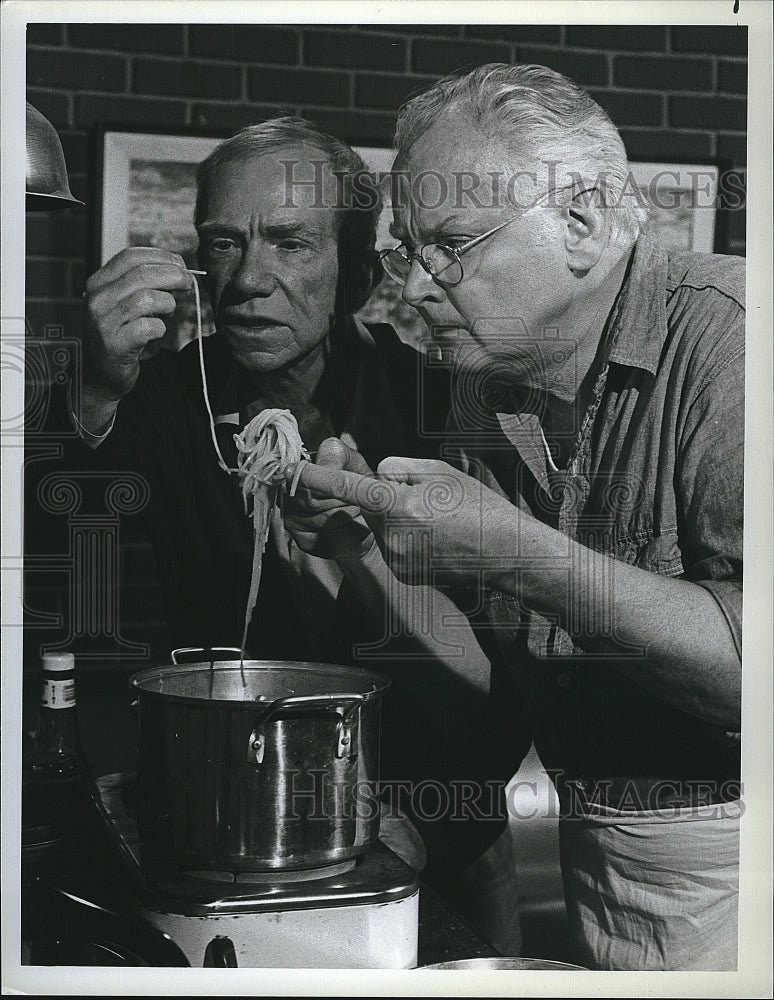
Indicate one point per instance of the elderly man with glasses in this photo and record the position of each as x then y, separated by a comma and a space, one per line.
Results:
593, 497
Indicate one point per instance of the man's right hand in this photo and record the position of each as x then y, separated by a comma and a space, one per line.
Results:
126, 302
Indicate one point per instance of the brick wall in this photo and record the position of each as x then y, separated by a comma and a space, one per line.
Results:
675, 93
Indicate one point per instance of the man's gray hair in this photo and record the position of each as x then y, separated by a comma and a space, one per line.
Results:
359, 204
542, 118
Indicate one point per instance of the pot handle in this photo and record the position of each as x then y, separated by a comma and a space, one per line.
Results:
188, 654
256, 744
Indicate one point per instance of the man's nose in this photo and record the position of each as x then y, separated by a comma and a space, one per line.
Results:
256, 273
420, 288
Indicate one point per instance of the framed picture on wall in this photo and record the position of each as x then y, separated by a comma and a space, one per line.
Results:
148, 200
682, 202
149, 191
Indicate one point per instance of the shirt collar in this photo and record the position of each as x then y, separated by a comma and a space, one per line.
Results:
636, 330
638, 323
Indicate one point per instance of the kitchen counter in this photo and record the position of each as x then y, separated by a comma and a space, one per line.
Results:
443, 934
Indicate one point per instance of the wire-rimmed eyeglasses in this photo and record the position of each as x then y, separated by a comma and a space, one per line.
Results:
439, 260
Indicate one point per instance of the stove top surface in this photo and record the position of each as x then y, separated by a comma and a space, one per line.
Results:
378, 876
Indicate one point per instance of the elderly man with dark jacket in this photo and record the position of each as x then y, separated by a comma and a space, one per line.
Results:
287, 246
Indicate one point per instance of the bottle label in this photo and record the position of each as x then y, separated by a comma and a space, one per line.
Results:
57, 693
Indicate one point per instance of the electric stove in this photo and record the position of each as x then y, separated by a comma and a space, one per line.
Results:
360, 914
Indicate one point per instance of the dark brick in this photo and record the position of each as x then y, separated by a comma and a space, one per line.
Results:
144, 38
585, 68
54, 68
732, 77
708, 112
631, 109
516, 32
296, 85
45, 34
629, 37
78, 275
249, 42
51, 234
67, 315
135, 111
733, 148
358, 127
733, 232
81, 189
729, 40
353, 49
382, 91
445, 57
664, 73
666, 145
187, 79
76, 150
229, 118
46, 278
55, 106
416, 30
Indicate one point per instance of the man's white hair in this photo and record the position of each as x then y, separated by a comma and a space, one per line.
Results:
541, 118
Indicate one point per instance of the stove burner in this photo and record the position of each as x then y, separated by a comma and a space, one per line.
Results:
273, 877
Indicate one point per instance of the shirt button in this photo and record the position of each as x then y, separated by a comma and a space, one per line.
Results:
563, 680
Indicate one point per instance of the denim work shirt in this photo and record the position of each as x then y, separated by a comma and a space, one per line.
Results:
656, 481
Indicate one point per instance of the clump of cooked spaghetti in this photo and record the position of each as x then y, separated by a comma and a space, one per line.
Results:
266, 446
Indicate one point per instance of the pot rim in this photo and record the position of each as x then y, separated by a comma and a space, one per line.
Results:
356, 677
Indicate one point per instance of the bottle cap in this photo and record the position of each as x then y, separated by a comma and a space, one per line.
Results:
58, 661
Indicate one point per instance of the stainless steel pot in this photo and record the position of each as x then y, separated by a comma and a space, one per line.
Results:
257, 766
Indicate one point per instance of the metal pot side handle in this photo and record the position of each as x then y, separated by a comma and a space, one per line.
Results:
192, 653
256, 744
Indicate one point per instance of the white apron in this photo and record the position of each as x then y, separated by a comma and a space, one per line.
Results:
653, 890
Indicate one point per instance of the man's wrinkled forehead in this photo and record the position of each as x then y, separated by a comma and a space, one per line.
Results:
299, 177
456, 169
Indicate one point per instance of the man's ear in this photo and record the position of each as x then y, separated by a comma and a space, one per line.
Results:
587, 231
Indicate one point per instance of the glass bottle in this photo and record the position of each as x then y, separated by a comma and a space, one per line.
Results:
56, 785
57, 753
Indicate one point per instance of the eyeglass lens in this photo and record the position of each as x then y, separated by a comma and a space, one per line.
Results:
438, 260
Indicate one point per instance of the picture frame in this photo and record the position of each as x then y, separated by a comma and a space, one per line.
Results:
149, 190
682, 201
148, 196
149, 193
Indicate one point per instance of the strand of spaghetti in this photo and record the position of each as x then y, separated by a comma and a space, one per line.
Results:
205, 390
267, 445
264, 500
